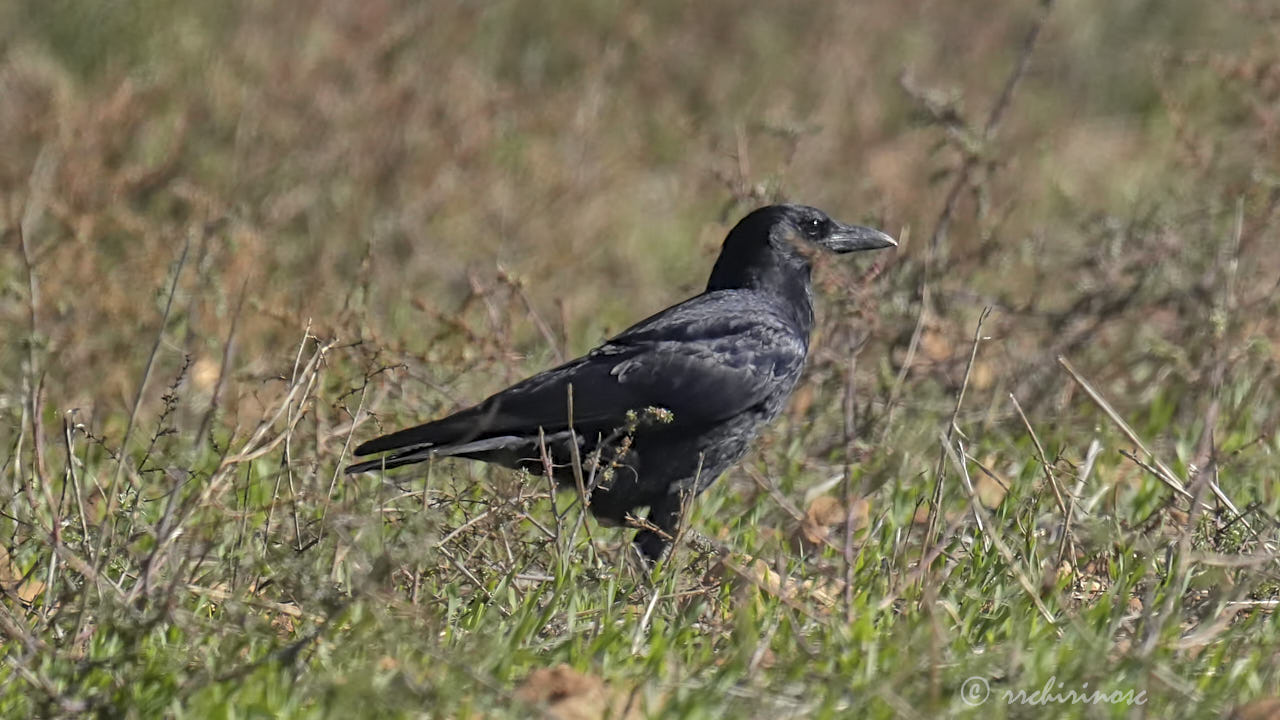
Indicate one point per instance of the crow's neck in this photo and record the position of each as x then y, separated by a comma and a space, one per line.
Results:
788, 284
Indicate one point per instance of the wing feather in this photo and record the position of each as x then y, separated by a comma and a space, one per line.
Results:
705, 360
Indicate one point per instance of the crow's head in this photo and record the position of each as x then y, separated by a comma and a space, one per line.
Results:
774, 246
799, 224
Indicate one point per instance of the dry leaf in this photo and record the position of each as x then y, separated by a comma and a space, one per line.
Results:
983, 375
11, 576
936, 346
9, 573
922, 515
790, 588
30, 590
801, 400
825, 520
1264, 709
990, 493
204, 373
569, 695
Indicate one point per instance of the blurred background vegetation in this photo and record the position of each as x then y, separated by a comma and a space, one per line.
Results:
366, 156
457, 193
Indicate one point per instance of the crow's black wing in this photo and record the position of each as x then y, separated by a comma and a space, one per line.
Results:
709, 358
705, 360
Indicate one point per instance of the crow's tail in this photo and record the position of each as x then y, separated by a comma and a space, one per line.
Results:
411, 455
392, 461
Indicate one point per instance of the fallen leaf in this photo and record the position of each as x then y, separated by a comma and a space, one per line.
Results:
990, 491
936, 345
790, 588
825, 520
1264, 709
570, 695
9, 573
205, 373
801, 401
30, 590
11, 578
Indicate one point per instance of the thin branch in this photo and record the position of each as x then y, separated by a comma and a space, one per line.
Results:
112, 496
939, 472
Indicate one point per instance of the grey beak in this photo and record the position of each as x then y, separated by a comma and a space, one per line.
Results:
849, 238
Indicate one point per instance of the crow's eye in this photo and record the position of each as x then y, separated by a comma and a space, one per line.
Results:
813, 228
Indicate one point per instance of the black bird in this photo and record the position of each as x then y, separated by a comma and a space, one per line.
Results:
661, 410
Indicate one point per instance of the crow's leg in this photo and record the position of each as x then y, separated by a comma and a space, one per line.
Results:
664, 514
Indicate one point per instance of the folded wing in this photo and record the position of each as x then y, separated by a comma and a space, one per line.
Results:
696, 360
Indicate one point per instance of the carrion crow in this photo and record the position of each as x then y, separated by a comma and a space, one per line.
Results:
660, 411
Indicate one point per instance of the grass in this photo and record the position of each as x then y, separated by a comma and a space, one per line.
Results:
243, 239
